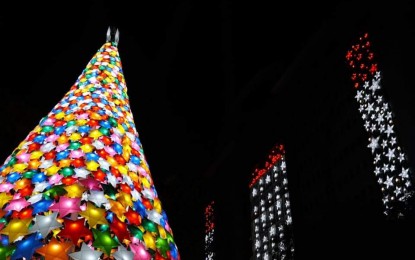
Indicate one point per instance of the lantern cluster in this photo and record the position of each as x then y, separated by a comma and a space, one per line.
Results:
389, 159
272, 234
79, 185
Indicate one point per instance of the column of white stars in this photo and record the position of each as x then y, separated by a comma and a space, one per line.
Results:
389, 159
272, 216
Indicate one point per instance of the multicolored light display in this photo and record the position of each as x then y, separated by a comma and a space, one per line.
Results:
79, 185
390, 161
271, 210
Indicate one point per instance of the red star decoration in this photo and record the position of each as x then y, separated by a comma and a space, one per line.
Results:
120, 229
75, 229
133, 217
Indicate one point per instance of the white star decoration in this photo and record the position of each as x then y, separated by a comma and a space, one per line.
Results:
123, 254
86, 253
374, 143
272, 213
112, 180
45, 224
41, 186
81, 173
97, 197
388, 159
389, 182
390, 154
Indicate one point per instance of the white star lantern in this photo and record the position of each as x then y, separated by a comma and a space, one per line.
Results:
86, 253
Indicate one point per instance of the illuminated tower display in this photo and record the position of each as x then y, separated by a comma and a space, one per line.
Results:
389, 159
78, 186
209, 231
272, 234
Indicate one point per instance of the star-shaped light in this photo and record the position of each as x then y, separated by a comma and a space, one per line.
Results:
41, 206
17, 204
112, 180
86, 253
154, 216
391, 154
97, 197
98, 144
91, 184
6, 187
110, 151
389, 181
377, 158
359, 95
401, 157
404, 173
56, 250
41, 186
92, 166
140, 251
16, 228
124, 199
55, 179
393, 141
81, 173
46, 164
45, 224
104, 164
149, 241
119, 228
75, 190
132, 167
66, 205
369, 108
374, 143
23, 157
123, 254
136, 195
133, 217
47, 147
94, 215
26, 247
118, 209
104, 241
75, 229
4, 198
379, 119
389, 130
398, 191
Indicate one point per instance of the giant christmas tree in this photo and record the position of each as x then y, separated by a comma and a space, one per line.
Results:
79, 186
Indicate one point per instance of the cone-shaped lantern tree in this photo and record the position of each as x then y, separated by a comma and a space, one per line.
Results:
78, 186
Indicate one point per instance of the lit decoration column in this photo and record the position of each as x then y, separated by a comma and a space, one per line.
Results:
389, 159
210, 231
79, 186
272, 234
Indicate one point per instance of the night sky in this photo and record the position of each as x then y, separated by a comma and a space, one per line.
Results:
186, 63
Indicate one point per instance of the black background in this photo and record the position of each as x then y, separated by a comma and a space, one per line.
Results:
190, 67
